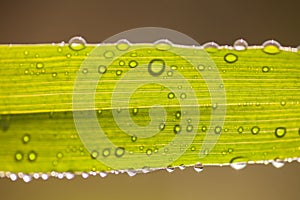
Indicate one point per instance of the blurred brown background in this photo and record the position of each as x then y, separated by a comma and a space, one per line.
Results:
222, 21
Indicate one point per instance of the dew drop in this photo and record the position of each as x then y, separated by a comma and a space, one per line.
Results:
280, 132
85, 71
59, 155
198, 167
102, 174
161, 126
204, 128
218, 130
156, 67
123, 45
119, 152
131, 173
133, 138
54, 74
84, 175
240, 45
68, 55
94, 154
163, 45
118, 72
27, 178
102, 69
106, 152
19, 156
230, 58
133, 64
149, 152
171, 95
170, 73
26, 53
265, 69
121, 63
271, 47
193, 148
211, 47
135, 111
39, 65
26, 138
77, 43
255, 130
238, 163
240, 129
277, 163
183, 96
177, 129
178, 114
108, 54
201, 67
13, 177
45, 176
170, 169
173, 67
32, 156
189, 128
69, 175
282, 103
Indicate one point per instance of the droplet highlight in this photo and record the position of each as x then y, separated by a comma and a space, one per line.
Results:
77, 43
280, 132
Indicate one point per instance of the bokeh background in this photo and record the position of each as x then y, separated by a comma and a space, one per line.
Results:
221, 21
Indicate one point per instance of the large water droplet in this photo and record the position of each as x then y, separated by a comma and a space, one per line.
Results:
211, 47
69, 175
131, 172
77, 43
119, 152
271, 47
123, 45
238, 163
198, 167
32, 156
163, 45
25, 138
255, 130
13, 177
277, 163
280, 132
156, 67
230, 58
240, 45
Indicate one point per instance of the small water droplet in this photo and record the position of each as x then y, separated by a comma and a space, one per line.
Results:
163, 45
149, 152
280, 132
178, 114
171, 95
84, 175
45, 176
106, 152
123, 45
240, 129
102, 174
133, 64
183, 96
85, 70
189, 128
240, 45
170, 73
119, 152
102, 69
271, 47
173, 67
135, 111
201, 67
26, 178
218, 130
204, 128
211, 47
230, 58
69, 175
265, 69
156, 67
198, 167
19, 156
68, 55
277, 163
118, 72
133, 138
170, 169
161, 126
282, 103
59, 155
131, 172
177, 129
39, 65
13, 177
193, 148
26, 53
32, 156
255, 130
25, 138
94, 154
108, 54
77, 43
238, 163
54, 74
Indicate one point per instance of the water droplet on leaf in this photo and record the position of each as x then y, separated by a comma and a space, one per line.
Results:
211, 47
102, 69
271, 47
198, 167
156, 67
255, 130
77, 43
32, 156
26, 138
280, 132
123, 45
119, 152
240, 45
230, 58
133, 64
163, 45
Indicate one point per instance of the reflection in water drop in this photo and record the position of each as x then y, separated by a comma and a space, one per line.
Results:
271, 47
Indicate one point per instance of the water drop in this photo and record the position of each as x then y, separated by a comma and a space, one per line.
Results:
204, 128
218, 130
170, 169
102, 69
178, 114
271, 47
102, 174
77, 43
108, 54
200, 67
135, 111
163, 45
59, 49
282, 103
230, 58
68, 55
173, 67
69, 175
85, 70
13, 177
119, 152
131, 173
240, 45
149, 152
39, 65
280, 132
32, 156
277, 163
26, 138
84, 175
255, 130
177, 129
238, 163
121, 63
118, 72
240, 129
211, 47
133, 138
189, 128
156, 67
171, 95
170, 73
183, 96
265, 69
106, 152
27, 178
54, 74
133, 64
44, 176
123, 45
19, 156
59, 155
193, 148
26, 53
198, 167
161, 126
94, 154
